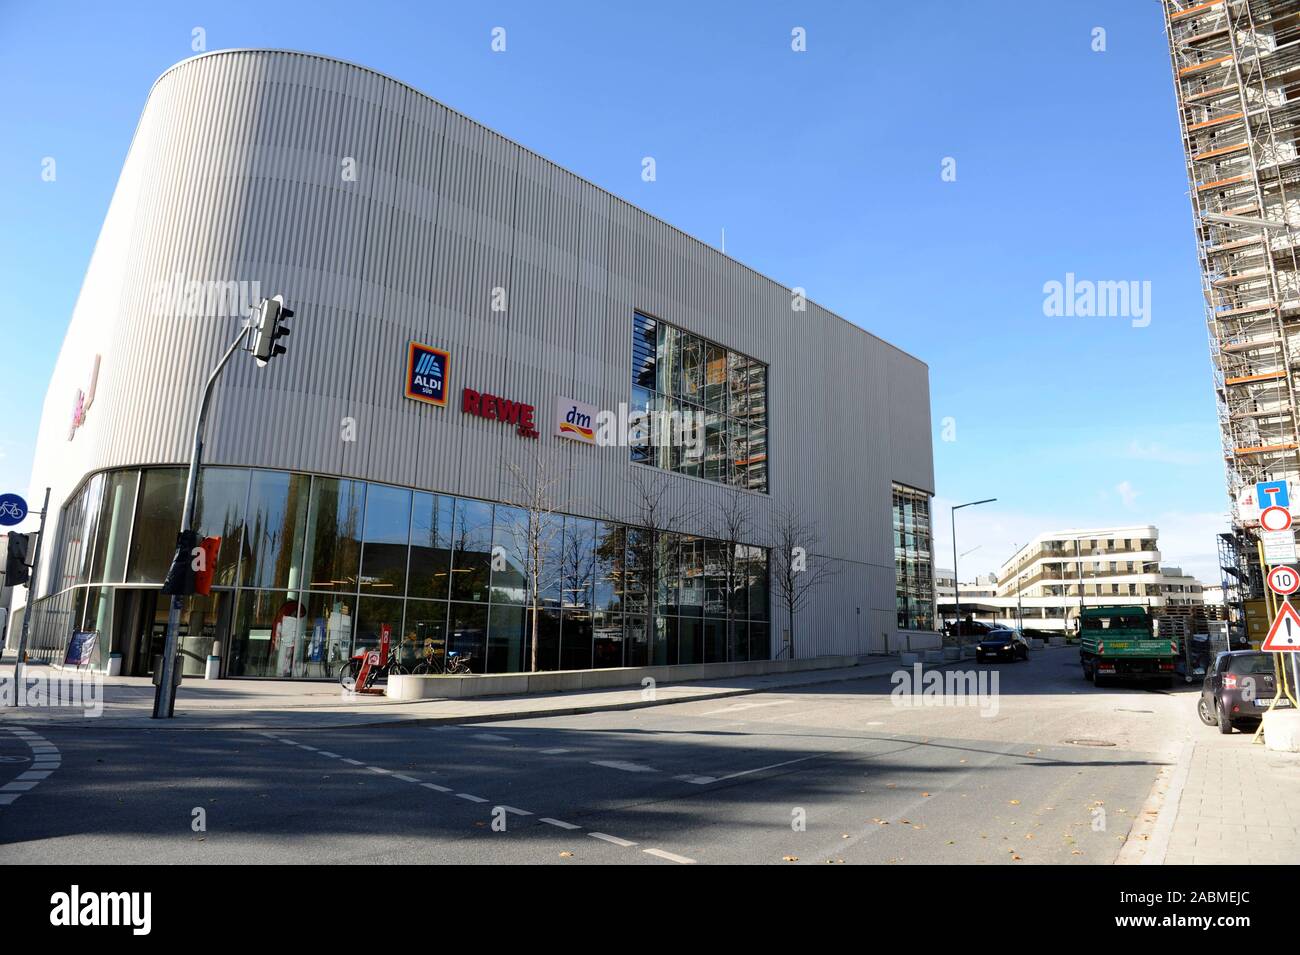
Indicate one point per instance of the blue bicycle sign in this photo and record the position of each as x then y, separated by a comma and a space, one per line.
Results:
13, 510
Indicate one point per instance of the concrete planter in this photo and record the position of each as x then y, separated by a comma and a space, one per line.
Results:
908, 658
1282, 731
951, 653
1056, 641
932, 656
1036, 643
435, 687
968, 653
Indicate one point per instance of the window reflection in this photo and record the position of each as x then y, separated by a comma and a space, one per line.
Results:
313, 569
721, 392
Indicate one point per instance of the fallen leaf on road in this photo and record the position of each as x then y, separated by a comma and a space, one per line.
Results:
1015, 858
1015, 802
789, 858
881, 822
566, 855
925, 794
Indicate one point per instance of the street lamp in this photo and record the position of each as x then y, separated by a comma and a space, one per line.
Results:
956, 577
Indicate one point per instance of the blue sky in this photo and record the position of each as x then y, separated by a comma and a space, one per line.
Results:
824, 168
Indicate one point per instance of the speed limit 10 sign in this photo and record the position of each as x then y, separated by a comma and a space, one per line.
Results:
1284, 580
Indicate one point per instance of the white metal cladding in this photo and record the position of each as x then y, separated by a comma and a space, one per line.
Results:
236, 172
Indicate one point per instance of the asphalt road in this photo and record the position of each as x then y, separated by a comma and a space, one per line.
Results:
832, 773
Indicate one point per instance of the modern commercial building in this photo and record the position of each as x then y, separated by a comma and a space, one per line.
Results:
470, 319
1236, 66
1046, 582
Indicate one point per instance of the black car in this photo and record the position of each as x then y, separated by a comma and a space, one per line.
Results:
1237, 691
1002, 645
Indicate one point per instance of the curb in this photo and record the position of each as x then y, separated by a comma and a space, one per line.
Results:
538, 713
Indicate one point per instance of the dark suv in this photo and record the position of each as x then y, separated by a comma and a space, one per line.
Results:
1237, 690
1002, 644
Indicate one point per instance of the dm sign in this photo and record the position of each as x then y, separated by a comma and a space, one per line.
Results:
575, 420
426, 373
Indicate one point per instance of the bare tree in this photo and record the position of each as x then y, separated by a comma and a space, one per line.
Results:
655, 526
795, 569
537, 482
730, 524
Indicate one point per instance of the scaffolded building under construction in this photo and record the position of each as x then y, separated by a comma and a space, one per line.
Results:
1236, 66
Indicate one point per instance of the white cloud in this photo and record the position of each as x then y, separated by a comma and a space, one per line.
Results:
1127, 494
1162, 454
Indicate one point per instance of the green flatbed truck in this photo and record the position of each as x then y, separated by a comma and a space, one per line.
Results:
1121, 643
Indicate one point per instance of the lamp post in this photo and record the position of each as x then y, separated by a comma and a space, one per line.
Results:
1020, 611
956, 577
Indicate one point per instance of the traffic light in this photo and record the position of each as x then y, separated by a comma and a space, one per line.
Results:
16, 569
270, 327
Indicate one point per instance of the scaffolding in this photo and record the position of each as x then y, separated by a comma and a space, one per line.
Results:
1236, 68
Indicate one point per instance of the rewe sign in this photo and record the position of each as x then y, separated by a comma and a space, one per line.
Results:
496, 408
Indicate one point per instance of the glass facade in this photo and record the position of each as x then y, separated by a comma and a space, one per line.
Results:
707, 406
312, 568
913, 559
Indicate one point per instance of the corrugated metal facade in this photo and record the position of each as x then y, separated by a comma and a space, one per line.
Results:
236, 173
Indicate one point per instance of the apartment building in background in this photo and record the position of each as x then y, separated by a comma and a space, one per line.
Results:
1046, 582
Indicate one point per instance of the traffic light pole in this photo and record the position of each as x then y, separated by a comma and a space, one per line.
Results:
32, 582
164, 700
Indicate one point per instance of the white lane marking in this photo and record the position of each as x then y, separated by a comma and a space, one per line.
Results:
696, 780
288, 742
45, 759
670, 856
468, 797
553, 752
623, 765
740, 707
705, 780
305, 746
490, 736
613, 839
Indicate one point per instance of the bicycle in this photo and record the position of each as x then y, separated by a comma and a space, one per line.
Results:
431, 665
350, 670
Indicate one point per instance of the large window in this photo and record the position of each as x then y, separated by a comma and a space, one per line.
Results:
313, 568
913, 560
705, 406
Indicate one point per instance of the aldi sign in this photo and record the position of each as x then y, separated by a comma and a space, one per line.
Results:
426, 373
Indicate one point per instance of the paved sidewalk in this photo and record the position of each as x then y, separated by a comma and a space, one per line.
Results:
252, 704
1240, 804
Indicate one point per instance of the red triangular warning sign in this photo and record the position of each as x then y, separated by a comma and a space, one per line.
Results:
1284, 635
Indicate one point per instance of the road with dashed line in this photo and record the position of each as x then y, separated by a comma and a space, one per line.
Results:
1057, 772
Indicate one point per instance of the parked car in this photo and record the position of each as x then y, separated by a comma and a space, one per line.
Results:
1002, 644
1237, 690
